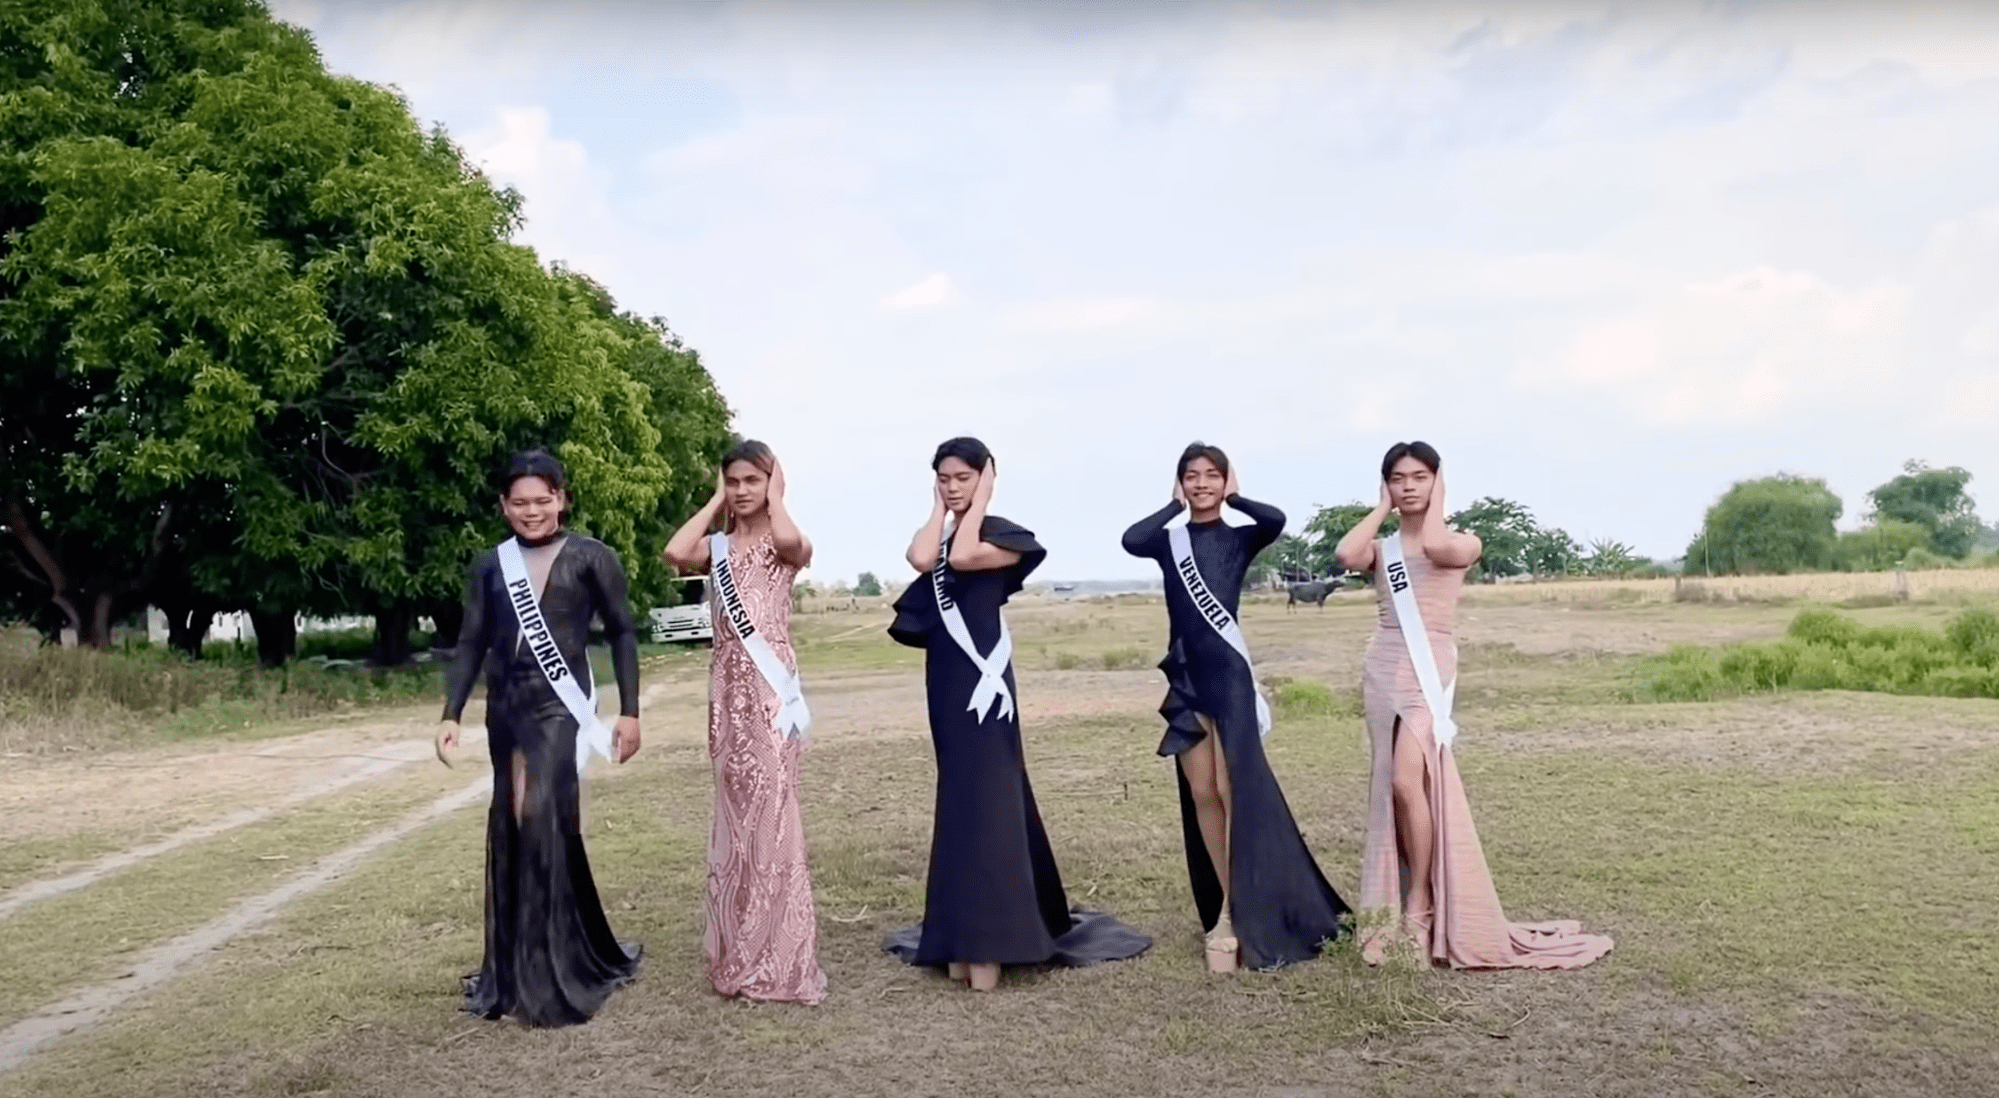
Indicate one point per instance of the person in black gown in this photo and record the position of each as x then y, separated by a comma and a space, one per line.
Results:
1259, 892
994, 895
551, 959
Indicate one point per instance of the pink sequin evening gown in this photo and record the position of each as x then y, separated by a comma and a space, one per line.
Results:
762, 936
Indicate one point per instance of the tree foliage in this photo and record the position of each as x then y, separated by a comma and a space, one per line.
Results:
1934, 499
1773, 525
1885, 544
1609, 557
868, 586
1514, 543
1327, 526
264, 340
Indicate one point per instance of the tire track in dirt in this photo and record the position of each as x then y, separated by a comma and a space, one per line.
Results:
372, 766
89, 1006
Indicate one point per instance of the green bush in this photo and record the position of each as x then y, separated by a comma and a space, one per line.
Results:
1925, 560
148, 684
1823, 650
1305, 698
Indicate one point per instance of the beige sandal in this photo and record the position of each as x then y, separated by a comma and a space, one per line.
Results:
1223, 951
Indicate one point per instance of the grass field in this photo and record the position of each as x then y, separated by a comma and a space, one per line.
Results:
1800, 886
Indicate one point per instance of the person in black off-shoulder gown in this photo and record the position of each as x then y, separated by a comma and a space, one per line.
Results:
551, 959
994, 895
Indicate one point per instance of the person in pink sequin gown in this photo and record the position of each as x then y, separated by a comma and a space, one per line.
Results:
762, 936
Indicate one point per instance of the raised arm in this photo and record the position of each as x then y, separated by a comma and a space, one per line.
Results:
969, 551
474, 635
1356, 550
924, 547
612, 592
793, 547
1269, 521
687, 550
1143, 539
1443, 545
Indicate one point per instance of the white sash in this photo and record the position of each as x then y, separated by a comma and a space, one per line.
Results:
793, 719
1439, 697
591, 733
1215, 614
992, 666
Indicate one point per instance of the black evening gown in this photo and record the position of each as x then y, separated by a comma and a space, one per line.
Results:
551, 959
994, 893
1282, 907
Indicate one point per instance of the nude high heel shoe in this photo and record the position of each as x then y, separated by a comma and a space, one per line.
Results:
1223, 950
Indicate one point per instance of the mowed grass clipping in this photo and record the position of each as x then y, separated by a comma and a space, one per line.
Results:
1758, 892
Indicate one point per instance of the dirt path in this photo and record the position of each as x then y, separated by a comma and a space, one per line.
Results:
89, 1006
220, 789
344, 771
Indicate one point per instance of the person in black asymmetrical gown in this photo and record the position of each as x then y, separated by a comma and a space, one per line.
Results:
994, 895
1260, 894
551, 959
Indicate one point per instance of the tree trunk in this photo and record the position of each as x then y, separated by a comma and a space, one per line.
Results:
187, 627
277, 636
98, 636
450, 619
392, 636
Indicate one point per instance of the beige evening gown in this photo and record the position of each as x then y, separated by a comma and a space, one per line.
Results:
1469, 929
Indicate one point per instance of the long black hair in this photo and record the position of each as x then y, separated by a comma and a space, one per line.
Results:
1421, 451
538, 463
1199, 449
966, 449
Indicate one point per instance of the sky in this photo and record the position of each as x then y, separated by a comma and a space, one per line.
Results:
1609, 258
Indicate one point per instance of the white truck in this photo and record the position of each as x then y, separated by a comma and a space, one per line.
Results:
691, 622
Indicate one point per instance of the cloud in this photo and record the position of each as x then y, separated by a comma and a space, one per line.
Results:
1089, 314
1740, 347
1704, 240
931, 292
568, 216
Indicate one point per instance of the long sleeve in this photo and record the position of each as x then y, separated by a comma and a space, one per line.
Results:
1142, 540
614, 605
1269, 522
473, 638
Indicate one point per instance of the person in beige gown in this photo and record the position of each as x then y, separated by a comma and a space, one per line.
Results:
1424, 881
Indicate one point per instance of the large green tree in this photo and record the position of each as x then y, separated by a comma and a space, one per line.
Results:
266, 339
1934, 499
1774, 525
1514, 544
1328, 525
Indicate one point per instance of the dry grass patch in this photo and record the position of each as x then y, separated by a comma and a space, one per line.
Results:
71, 940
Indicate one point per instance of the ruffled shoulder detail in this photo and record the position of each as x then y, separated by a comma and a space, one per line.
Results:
1011, 535
915, 613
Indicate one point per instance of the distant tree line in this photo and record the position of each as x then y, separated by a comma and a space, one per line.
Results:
264, 340
1516, 544
1773, 525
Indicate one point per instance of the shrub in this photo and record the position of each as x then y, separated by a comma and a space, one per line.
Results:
1305, 698
1824, 651
1124, 659
1924, 560
1975, 635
